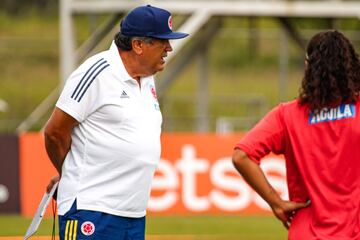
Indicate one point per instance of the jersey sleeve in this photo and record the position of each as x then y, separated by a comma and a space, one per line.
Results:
81, 94
267, 136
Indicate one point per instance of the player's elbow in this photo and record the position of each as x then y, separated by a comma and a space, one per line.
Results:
54, 137
239, 158
50, 134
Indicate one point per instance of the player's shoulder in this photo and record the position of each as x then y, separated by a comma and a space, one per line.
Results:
287, 108
90, 70
293, 111
95, 63
293, 104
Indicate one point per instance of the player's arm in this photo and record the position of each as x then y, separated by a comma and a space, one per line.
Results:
58, 137
255, 177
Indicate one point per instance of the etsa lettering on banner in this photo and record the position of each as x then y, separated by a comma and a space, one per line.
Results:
179, 185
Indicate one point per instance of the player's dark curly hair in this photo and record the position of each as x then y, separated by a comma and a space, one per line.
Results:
332, 72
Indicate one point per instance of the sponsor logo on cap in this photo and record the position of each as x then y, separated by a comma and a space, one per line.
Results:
170, 22
87, 228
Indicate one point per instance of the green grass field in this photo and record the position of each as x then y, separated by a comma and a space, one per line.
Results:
184, 227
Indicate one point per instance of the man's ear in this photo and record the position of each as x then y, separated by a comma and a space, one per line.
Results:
137, 46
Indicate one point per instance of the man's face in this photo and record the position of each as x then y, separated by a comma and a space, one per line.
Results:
154, 54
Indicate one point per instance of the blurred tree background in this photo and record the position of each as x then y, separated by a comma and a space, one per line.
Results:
244, 61
18, 7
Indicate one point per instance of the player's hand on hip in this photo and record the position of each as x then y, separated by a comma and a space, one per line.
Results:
52, 182
286, 210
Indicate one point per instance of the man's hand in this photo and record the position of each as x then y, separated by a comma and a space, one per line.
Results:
255, 177
52, 182
286, 210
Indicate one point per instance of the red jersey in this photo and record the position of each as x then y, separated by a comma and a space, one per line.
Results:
322, 153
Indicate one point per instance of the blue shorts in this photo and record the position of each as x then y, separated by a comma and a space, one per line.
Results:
85, 224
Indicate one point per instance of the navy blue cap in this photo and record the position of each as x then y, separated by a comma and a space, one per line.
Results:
149, 21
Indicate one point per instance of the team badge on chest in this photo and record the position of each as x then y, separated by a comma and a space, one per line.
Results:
153, 91
87, 228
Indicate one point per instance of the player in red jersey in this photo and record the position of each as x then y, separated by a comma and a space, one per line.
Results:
319, 135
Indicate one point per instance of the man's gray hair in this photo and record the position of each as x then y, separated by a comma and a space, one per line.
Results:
124, 42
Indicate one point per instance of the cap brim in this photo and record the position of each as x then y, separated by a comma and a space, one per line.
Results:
172, 35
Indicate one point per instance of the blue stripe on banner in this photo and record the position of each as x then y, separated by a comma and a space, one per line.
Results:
82, 79
92, 81
87, 79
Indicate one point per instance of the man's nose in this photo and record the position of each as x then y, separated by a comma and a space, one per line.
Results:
168, 46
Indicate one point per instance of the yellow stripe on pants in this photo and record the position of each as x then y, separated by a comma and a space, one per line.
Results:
71, 229
75, 229
66, 230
